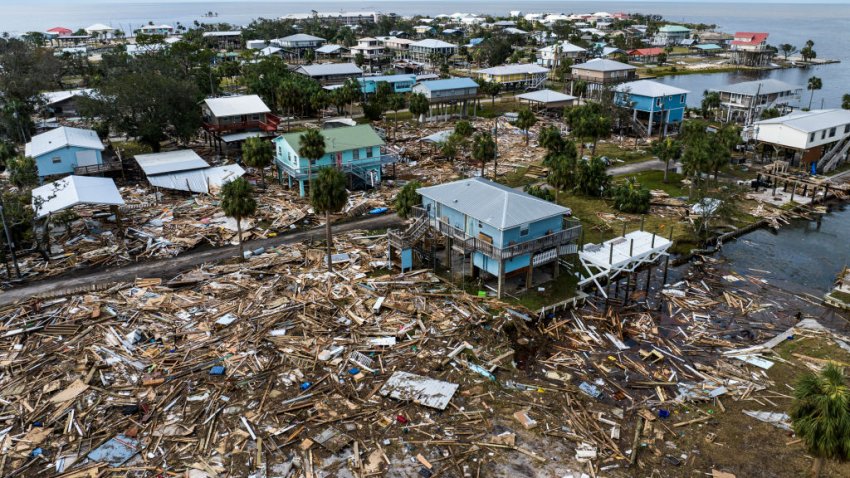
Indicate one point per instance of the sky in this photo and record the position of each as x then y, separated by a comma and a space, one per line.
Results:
89, 2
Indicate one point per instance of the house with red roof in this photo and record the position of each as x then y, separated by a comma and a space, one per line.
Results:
60, 31
751, 49
750, 41
646, 55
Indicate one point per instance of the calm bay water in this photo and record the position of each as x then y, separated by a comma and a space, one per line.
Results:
801, 257
787, 23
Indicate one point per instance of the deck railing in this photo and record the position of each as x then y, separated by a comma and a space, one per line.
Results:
103, 167
461, 240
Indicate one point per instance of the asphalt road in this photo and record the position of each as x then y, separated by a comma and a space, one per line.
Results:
170, 267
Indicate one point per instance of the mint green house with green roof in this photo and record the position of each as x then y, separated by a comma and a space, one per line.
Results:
355, 150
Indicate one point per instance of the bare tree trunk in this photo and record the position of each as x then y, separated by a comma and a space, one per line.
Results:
239, 232
666, 168
329, 239
482, 168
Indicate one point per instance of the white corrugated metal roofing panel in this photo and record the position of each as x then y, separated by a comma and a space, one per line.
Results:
170, 161
199, 180
73, 190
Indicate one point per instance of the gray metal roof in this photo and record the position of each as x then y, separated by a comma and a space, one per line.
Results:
649, 88
600, 64
763, 87
325, 69
492, 203
811, 121
546, 96
299, 37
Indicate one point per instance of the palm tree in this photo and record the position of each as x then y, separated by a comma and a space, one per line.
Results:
449, 147
561, 173
258, 153
820, 415
312, 147
237, 201
418, 106
845, 102
815, 83
525, 120
484, 150
407, 198
667, 149
329, 196
395, 103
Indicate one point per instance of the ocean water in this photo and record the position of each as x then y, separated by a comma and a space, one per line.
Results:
825, 24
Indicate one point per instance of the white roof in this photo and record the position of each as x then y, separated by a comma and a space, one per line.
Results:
299, 37
53, 97
325, 69
73, 190
601, 64
492, 203
204, 180
767, 86
231, 33
432, 43
59, 138
157, 27
566, 47
99, 27
546, 96
170, 161
329, 49
649, 88
811, 121
515, 69
270, 50
236, 105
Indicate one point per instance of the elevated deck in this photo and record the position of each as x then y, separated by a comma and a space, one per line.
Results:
620, 255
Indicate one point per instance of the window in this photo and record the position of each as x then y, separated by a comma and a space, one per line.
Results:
369, 152
57, 159
846, 128
356, 154
682, 99
832, 132
812, 138
523, 230
658, 102
823, 134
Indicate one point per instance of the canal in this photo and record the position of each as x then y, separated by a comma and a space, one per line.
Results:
802, 257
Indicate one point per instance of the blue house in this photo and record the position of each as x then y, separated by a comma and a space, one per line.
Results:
61, 150
355, 150
399, 83
504, 231
653, 104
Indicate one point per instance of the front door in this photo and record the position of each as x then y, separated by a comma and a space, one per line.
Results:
339, 160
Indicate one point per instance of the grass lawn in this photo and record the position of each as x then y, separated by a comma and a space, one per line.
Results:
625, 152
517, 178
560, 289
489, 110
655, 180
597, 229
